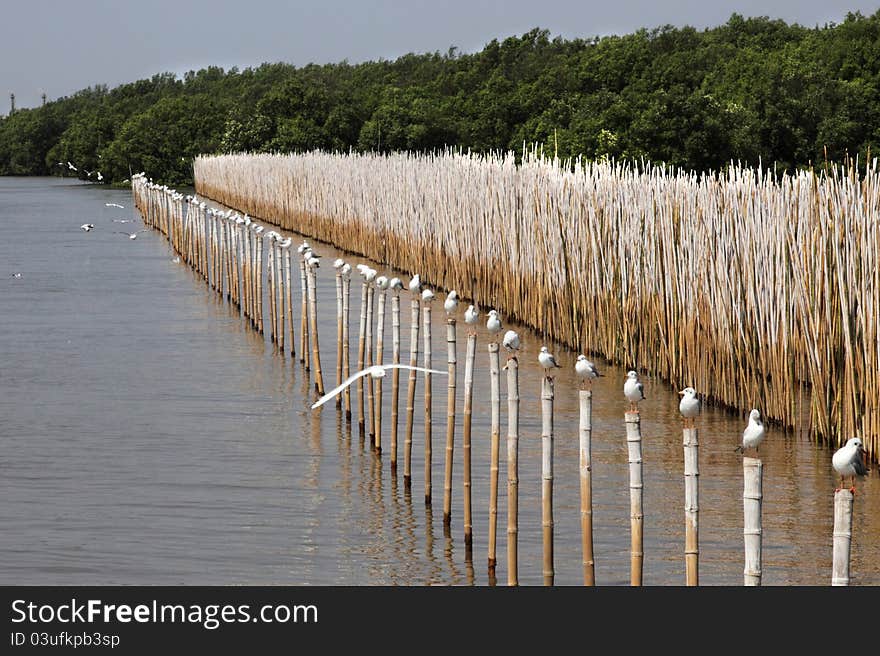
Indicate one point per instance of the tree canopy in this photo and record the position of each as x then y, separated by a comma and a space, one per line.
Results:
751, 90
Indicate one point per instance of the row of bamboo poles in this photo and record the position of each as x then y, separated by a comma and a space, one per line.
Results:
226, 250
760, 291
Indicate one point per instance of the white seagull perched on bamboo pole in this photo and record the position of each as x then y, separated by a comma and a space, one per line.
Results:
395, 284
510, 341
848, 461
471, 315
376, 371
338, 263
689, 406
427, 296
415, 284
586, 370
753, 434
493, 323
547, 360
382, 282
451, 302
633, 390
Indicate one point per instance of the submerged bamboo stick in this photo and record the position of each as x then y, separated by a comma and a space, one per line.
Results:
313, 312
339, 317
427, 297
494, 448
470, 357
362, 350
346, 322
512, 367
395, 375
411, 389
753, 470
304, 346
369, 360
842, 538
450, 420
382, 286
547, 476
691, 506
586, 488
289, 299
634, 449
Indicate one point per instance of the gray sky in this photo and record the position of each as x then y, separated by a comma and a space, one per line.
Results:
61, 46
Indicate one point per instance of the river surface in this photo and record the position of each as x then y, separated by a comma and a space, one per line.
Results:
149, 436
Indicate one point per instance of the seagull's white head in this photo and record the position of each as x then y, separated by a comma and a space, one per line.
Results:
581, 358
346, 269
688, 391
855, 442
755, 416
632, 375
302, 247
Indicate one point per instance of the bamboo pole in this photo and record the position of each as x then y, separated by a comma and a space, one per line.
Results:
258, 276
369, 360
289, 300
395, 375
512, 367
304, 346
753, 470
362, 350
691, 506
451, 364
270, 280
586, 473
547, 476
411, 389
313, 312
470, 357
279, 304
494, 448
427, 297
634, 449
382, 286
346, 322
842, 538
339, 317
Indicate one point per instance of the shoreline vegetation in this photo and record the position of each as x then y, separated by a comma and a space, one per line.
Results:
756, 91
759, 290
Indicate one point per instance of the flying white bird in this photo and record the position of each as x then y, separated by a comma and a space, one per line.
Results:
586, 369
849, 461
71, 166
87, 226
511, 340
493, 323
633, 390
415, 284
547, 360
451, 302
689, 406
130, 235
753, 434
471, 315
16, 275
122, 207
100, 177
376, 371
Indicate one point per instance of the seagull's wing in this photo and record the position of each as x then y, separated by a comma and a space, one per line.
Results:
859, 464
641, 389
406, 366
336, 390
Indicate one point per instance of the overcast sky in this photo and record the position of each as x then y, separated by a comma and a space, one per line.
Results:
61, 46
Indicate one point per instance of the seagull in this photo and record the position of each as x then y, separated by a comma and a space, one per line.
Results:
87, 226
415, 284
689, 407
753, 434
451, 302
633, 390
176, 260
346, 269
395, 284
122, 207
376, 371
16, 275
100, 177
586, 369
71, 166
131, 235
427, 296
382, 283
511, 340
471, 315
303, 246
493, 323
848, 461
547, 360
369, 274
338, 263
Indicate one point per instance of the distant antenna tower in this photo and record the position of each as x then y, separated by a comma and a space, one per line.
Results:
11, 104
44, 98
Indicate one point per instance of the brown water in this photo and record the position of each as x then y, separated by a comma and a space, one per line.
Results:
150, 437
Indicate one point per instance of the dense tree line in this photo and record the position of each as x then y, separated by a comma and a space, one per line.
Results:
751, 90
